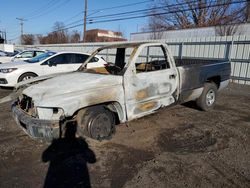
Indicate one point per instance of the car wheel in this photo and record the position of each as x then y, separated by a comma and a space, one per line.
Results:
26, 76
96, 122
208, 97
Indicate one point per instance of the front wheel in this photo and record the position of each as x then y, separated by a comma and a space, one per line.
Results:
26, 76
96, 122
208, 97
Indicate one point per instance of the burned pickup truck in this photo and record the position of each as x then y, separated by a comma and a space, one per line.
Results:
139, 79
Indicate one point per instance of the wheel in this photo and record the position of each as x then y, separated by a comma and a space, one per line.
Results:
208, 97
96, 122
26, 76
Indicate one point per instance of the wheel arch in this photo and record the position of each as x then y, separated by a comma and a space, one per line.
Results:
215, 79
26, 73
113, 106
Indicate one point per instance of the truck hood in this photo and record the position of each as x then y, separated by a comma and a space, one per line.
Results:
67, 85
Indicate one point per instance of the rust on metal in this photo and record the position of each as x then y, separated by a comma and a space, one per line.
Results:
142, 94
145, 107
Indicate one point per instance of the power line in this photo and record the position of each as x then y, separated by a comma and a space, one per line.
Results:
44, 7
145, 11
125, 13
122, 6
150, 15
76, 15
49, 10
109, 8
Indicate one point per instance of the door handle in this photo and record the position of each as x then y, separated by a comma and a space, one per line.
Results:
172, 76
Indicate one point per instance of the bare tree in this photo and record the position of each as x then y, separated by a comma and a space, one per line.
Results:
191, 14
75, 37
28, 39
247, 11
227, 30
59, 35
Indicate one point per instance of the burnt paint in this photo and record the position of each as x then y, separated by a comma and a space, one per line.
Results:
145, 107
147, 92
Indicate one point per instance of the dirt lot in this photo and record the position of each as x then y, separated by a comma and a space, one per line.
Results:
176, 147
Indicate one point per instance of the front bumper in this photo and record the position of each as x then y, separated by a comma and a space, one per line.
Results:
36, 128
8, 80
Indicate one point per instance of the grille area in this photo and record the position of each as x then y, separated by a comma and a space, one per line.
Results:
3, 81
27, 105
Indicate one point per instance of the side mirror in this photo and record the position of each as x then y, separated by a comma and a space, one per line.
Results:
18, 56
51, 63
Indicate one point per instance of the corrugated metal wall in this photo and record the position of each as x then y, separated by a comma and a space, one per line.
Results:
239, 29
236, 49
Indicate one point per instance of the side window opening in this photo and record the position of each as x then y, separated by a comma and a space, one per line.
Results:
116, 60
79, 58
61, 59
27, 54
118, 63
94, 59
152, 58
39, 53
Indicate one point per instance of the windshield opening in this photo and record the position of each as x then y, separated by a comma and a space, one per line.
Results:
116, 61
40, 57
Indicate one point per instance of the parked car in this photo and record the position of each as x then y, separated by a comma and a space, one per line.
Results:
12, 54
44, 64
143, 78
8, 56
2, 53
24, 55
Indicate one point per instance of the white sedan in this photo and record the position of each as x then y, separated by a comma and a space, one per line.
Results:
24, 55
45, 64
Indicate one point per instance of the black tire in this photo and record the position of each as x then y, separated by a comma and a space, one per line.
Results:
208, 97
26, 76
96, 122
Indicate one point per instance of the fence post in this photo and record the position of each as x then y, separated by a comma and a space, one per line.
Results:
229, 48
180, 50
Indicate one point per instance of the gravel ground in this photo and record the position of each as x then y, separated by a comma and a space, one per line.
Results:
175, 147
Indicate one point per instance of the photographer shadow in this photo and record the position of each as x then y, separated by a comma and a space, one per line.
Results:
68, 157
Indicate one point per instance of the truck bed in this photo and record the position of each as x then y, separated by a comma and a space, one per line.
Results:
195, 72
191, 61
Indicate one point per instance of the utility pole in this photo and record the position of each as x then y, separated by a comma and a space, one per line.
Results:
85, 20
21, 27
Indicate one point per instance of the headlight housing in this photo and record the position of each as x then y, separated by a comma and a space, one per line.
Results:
49, 113
8, 70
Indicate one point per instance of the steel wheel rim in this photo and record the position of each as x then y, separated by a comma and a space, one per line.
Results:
210, 97
100, 126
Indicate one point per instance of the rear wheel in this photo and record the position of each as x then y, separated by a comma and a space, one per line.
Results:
96, 122
26, 76
208, 97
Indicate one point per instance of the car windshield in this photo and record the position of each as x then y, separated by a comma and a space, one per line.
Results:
40, 57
